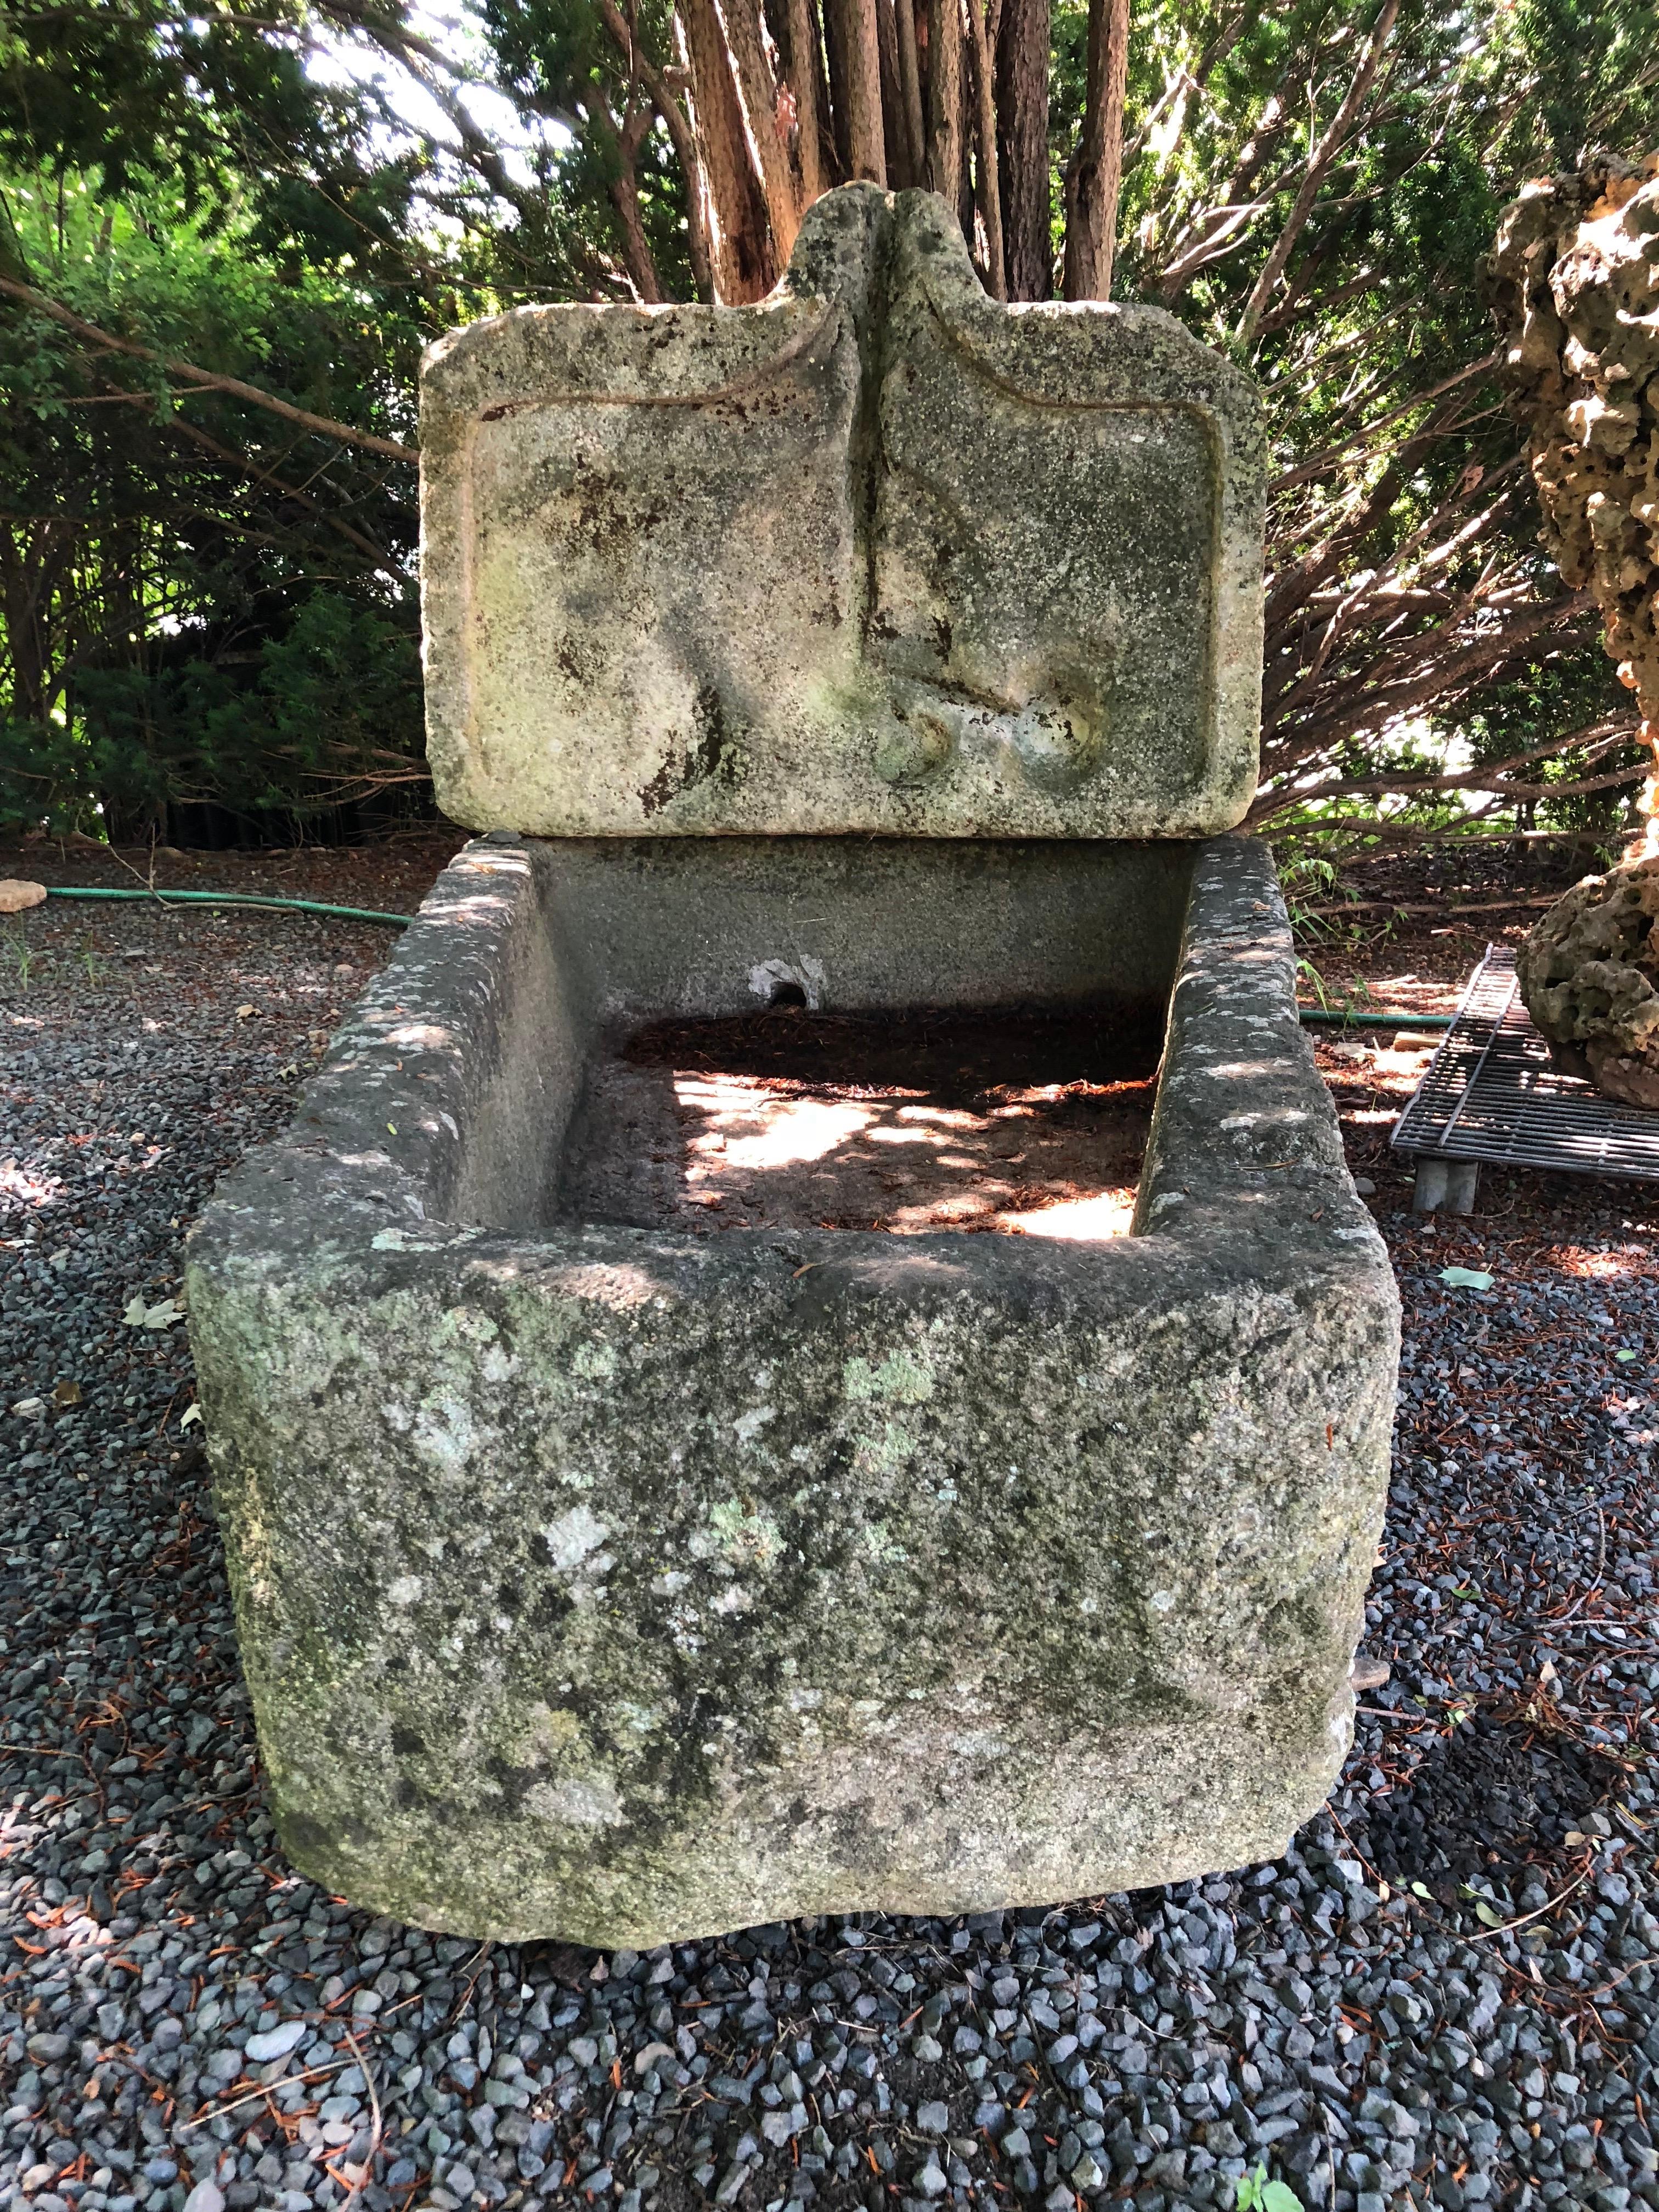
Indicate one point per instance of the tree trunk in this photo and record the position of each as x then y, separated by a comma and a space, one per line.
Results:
678, 126
1022, 106
760, 100
834, 49
804, 84
901, 169
860, 41
987, 192
703, 223
965, 209
1097, 169
32, 562
740, 242
904, 13
944, 164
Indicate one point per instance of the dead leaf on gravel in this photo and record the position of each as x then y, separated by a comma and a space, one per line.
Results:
17, 892
242, 1012
140, 1314
66, 1393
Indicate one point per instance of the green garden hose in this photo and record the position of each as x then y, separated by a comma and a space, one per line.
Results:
1333, 1017
229, 898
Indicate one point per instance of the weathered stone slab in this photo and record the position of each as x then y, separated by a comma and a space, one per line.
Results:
876, 554
680, 1583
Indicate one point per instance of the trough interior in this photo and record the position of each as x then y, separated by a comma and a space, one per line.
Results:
1019, 1121
915, 1035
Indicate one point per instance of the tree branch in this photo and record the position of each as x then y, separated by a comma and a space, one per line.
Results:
1319, 162
1270, 804
1319, 463
1386, 702
322, 424
378, 554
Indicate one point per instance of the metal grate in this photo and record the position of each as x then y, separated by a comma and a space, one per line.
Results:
1493, 1093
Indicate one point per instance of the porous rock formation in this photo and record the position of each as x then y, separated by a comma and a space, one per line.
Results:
1574, 283
1589, 975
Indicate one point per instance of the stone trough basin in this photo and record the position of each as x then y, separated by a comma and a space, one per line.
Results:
619, 1567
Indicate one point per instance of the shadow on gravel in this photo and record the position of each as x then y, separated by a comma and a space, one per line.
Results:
1498, 1793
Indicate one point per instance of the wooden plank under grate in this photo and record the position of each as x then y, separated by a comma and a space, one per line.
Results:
1493, 1093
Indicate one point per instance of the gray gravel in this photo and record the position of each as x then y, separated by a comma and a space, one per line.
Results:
184, 2023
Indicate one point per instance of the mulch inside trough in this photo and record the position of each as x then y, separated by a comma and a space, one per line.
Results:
1021, 1122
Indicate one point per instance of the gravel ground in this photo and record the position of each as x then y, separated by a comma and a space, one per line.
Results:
1444, 1992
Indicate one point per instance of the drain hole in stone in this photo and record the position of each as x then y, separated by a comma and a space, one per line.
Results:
788, 995
1024, 1123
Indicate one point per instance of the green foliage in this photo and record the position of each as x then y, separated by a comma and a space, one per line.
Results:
326, 712
202, 602
120, 92
1593, 67
1255, 2193
306, 719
